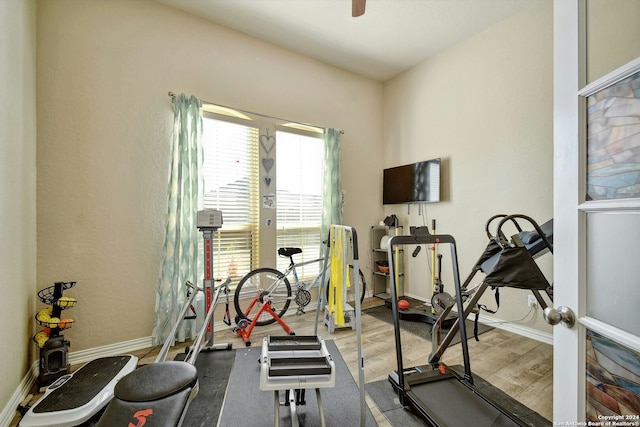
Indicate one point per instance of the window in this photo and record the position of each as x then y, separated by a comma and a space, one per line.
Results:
230, 172
299, 164
233, 175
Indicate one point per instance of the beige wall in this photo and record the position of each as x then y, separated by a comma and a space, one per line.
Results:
485, 107
612, 35
17, 193
104, 70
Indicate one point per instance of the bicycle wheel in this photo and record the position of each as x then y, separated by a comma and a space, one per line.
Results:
254, 286
363, 289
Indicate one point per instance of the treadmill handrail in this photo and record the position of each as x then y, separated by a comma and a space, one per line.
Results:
420, 239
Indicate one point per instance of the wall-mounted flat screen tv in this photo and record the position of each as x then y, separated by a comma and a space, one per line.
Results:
414, 183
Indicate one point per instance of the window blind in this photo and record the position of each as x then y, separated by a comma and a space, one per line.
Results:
230, 172
299, 196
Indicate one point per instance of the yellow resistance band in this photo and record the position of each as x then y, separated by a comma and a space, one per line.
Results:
338, 279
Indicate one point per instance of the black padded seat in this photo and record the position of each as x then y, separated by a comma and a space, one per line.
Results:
158, 392
289, 251
156, 381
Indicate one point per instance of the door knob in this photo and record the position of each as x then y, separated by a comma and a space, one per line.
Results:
562, 314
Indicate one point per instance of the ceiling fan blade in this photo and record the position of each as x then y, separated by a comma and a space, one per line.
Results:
357, 7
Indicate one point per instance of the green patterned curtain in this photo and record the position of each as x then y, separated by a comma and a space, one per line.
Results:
180, 250
331, 183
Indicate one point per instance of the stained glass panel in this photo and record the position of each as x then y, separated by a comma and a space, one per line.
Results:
613, 382
613, 144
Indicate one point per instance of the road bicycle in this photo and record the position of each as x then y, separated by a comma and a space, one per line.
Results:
276, 287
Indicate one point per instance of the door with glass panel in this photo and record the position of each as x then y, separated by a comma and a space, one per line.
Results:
596, 233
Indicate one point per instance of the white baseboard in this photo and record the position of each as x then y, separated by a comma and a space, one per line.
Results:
123, 347
513, 327
9, 411
534, 334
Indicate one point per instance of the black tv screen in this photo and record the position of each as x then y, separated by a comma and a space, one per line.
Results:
414, 183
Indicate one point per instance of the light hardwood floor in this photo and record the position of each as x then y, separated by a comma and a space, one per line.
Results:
519, 366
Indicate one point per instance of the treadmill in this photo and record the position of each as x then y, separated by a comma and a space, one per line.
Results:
435, 392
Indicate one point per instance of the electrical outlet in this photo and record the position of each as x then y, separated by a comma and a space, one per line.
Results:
532, 301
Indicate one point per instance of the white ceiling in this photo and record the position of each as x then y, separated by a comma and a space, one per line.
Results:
391, 37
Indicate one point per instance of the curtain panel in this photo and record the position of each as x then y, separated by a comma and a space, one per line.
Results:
332, 183
184, 194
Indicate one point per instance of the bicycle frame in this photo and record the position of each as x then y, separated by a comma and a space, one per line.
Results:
281, 287
292, 268
262, 300
297, 284
300, 285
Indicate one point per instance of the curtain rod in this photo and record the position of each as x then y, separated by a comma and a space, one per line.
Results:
173, 98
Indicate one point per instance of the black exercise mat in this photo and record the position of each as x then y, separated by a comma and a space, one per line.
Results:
246, 405
421, 329
383, 395
214, 368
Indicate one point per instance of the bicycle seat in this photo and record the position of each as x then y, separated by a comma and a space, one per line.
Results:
287, 252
